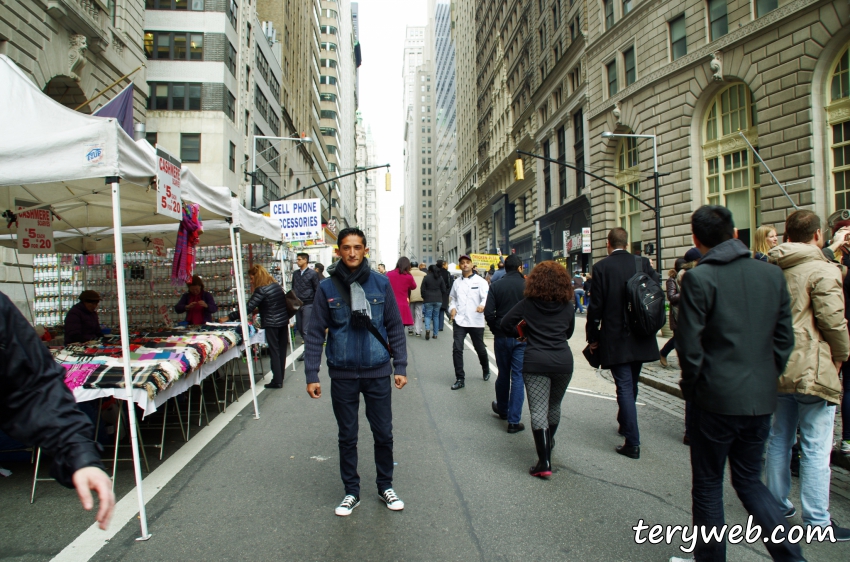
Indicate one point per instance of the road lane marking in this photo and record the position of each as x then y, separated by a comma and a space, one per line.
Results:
89, 543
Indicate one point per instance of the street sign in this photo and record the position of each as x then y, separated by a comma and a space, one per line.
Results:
169, 201
585, 240
35, 229
299, 219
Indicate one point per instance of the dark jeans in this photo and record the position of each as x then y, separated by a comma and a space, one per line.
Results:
510, 388
276, 338
302, 318
845, 402
477, 337
669, 346
443, 313
579, 296
626, 379
741, 439
377, 395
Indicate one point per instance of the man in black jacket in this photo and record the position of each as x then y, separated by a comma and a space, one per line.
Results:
619, 349
305, 281
37, 408
443, 267
734, 338
510, 390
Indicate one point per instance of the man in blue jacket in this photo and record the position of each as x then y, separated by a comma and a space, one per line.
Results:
359, 310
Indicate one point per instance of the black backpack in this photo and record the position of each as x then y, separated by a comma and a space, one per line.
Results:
645, 312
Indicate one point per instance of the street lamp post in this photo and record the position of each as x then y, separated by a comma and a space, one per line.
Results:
253, 172
655, 176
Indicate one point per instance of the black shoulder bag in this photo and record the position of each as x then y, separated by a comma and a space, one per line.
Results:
346, 296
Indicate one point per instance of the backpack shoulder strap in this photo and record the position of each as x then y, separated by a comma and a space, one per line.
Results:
346, 296
638, 264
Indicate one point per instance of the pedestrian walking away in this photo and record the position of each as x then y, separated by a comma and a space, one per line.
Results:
305, 281
270, 299
809, 388
578, 290
672, 287
416, 303
510, 387
466, 305
734, 338
500, 270
548, 319
402, 283
448, 278
358, 309
620, 349
433, 290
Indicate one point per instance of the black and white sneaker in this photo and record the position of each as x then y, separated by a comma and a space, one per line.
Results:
390, 498
347, 506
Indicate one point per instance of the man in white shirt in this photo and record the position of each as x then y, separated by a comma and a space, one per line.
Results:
466, 307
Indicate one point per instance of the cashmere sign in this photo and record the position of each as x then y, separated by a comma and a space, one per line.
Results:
35, 229
168, 199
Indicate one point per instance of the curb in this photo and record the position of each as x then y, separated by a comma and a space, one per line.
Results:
662, 385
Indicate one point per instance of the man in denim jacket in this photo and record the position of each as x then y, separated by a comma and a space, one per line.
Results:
346, 303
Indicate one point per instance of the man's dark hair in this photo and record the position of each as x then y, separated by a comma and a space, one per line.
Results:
346, 232
304, 255
512, 263
440, 264
712, 225
319, 267
800, 226
618, 237
382, 265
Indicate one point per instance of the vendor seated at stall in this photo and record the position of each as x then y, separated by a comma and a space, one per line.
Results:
198, 304
81, 322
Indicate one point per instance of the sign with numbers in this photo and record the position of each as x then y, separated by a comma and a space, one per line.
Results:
158, 247
585, 240
168, 199
35, 229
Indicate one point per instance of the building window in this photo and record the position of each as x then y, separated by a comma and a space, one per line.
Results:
717, 19
327, 29
609, 13
327, 47
840, 129
230, 106
175, 96
185, 5
732, 175
231, 158
678, 38
611, 69
328, 131
562, 170
190, 147
327, 114
765, 6
547, 178
629, 63
578, 147
151, 138
327, 97
628, 178
174, 46
327, 63
328, 80
230, 58
232, 12
627, 6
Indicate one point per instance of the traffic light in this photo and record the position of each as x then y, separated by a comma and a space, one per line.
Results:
519, 172
388, 182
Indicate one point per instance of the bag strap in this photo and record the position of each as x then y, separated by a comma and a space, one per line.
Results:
346, 296
638, 264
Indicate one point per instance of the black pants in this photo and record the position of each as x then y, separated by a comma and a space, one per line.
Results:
377, 394
276, 338
626, 379
741, 439
477, 337
669, 346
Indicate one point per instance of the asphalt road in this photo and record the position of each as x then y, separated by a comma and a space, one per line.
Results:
266, 489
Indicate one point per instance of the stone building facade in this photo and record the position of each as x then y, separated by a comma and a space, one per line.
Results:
701, 77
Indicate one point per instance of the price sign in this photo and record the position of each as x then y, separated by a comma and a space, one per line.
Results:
35, 229
168, 199
585, 241
158, 247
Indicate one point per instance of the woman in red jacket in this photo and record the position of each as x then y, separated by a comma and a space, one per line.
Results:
402, 283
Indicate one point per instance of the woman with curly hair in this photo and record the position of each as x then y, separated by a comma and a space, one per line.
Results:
547, 368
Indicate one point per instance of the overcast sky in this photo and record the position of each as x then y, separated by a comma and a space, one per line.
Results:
382, 25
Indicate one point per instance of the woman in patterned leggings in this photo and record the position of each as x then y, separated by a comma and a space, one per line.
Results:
549, 317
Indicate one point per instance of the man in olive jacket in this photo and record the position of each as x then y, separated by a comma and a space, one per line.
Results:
734, 338
809, 388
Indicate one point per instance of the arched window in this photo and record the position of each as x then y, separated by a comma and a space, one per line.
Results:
838, 117
731, 171
628, 177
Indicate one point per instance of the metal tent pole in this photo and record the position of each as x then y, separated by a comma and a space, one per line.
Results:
236, 247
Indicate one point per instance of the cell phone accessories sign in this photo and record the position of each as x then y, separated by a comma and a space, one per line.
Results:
169, 201
299, 219
35, 229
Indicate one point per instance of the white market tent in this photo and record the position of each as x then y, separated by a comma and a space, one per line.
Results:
75, 165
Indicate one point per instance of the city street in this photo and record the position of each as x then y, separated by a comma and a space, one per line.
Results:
266, 489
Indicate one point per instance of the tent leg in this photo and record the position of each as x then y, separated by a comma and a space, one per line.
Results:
236, 242
125, 350
283, 284
35, 475
162, 440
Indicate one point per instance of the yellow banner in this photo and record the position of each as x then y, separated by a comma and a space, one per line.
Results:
484, 260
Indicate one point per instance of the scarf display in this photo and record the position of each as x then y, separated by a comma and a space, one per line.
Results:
361, 310
188, 235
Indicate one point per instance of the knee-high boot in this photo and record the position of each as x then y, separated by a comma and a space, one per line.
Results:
553, 427
542, 443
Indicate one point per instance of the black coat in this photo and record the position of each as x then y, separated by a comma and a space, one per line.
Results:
81, 325
36, 407
433, 289
606, 315
449, 281
548, 327
271, 301
735, 335
305, 283
501, 298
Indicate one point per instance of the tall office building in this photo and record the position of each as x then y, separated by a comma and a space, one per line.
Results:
366, 185
445, 148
